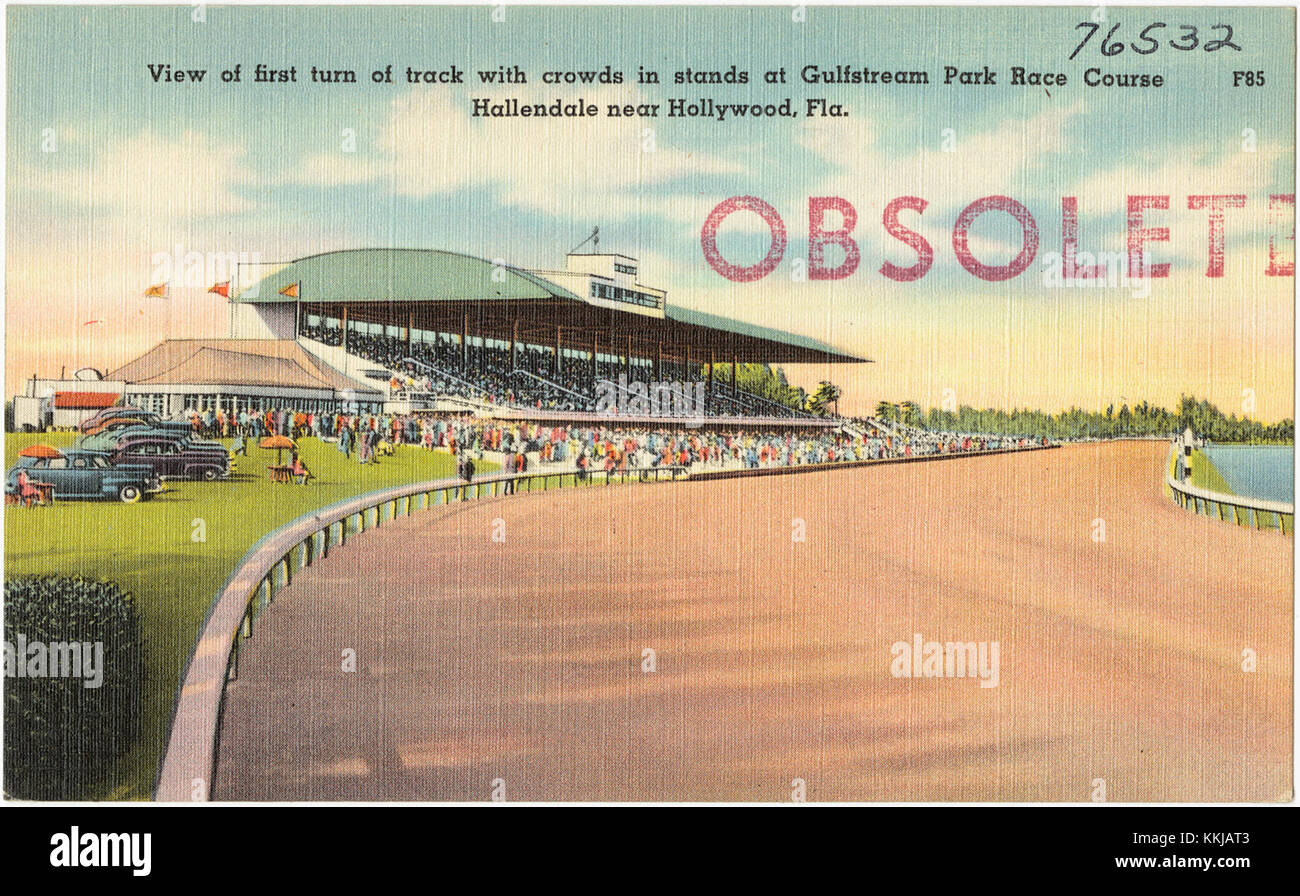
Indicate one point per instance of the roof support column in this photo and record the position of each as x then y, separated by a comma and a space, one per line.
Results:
686, 365
464, 341
712, 361
627, 358
514, 344
558, 350
343, 323
410, 326
595, 345
735, 373
659, 361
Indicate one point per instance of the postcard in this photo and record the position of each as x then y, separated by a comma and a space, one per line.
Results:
649, 404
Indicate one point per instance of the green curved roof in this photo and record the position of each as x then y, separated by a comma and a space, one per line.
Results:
430, 276
399, 275
754, 331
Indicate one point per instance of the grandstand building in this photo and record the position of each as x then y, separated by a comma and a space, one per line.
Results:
438, 330
413, 330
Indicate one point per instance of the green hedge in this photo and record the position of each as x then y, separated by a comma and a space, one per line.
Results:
62, 738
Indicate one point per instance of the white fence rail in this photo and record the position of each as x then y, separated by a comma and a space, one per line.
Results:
1243, 511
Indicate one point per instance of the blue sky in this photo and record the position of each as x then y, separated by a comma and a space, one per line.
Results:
140, 168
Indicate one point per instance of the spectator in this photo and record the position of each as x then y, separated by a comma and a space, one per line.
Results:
467, 474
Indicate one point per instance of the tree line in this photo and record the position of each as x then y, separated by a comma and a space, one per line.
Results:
770, 382
1143, 419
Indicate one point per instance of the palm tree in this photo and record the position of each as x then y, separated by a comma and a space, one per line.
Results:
909, 413
830, 394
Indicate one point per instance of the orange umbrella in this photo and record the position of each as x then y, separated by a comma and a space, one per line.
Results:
279, 443
40, 451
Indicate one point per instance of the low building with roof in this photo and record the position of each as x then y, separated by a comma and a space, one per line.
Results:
234, 375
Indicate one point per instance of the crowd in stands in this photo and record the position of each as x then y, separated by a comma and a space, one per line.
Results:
436, 367
924, 441
586, 448
531, 381
618, 448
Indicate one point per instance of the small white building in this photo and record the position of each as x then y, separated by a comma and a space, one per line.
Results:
608, 281
63, 403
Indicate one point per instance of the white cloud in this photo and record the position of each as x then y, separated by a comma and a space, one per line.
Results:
981, 163
151, 178
1198, 171
336, 169
434, 145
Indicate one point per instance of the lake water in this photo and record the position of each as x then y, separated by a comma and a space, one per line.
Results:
1256, 471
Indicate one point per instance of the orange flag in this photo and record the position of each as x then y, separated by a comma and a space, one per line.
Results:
221, 289
158, 291
291, 290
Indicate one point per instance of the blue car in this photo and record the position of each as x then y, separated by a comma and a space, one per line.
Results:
87, 474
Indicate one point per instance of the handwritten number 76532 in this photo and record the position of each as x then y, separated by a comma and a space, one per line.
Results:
1188, 39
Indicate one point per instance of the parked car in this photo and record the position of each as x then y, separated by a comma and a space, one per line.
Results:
132, 421
162, 431
173, 458
91, 429
188, 441
115, 412
111, 439
87, 474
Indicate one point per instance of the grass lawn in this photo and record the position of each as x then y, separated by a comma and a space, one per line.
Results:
175, 551
1204, 475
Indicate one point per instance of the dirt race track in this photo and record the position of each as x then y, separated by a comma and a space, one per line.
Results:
518, 666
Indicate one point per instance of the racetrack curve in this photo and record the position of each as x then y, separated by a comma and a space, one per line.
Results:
518, 667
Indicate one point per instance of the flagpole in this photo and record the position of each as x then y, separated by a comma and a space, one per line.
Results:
230, 309
294, 291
